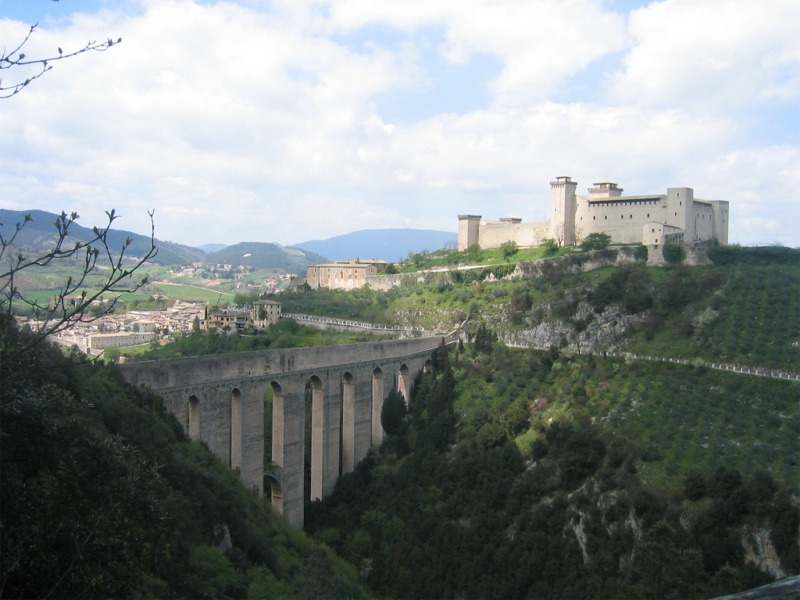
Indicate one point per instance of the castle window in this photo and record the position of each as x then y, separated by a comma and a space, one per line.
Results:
648, 215
630, 216
606, 217
594, 218
622, 216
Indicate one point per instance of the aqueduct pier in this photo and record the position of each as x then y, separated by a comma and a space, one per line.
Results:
219, 400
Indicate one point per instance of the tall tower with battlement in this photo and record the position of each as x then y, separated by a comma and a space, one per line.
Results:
562, 219
468, 231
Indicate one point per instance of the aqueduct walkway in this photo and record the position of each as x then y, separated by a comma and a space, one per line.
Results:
219, 400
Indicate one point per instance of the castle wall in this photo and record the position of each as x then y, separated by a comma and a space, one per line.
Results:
621, 218
493, 234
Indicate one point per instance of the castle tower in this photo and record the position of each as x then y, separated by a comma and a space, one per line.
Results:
468, 231
562, 218
720, 221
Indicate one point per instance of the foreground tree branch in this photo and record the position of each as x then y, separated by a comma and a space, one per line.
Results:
72, 300
16, 58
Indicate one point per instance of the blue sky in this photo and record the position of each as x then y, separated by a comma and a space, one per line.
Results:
292, 120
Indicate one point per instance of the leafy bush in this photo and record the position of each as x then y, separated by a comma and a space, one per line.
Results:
509, 248
673, 253
596, 241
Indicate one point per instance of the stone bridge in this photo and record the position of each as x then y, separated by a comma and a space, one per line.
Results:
220, 399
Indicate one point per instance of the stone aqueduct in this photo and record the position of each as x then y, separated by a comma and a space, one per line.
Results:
220, 400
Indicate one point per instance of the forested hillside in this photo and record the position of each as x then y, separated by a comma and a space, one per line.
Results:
558, 472
102, 496
743, 308
531, 474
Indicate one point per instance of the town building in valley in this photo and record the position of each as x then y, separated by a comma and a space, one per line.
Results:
343, 275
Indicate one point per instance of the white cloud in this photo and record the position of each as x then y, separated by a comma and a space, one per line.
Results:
712, 52
241, 123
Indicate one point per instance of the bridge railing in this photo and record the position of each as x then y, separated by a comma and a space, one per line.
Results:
304, 318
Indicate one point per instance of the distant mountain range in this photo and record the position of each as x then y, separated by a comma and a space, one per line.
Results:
260, 255
40, 232
391, 245
383, 244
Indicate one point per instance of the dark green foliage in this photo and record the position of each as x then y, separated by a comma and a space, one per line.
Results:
393, 413
457, 512
764, 255
550, 247
509, 249
694, 485
596, 241
579, 457
629, 286
102, 496
641, 254
484, 339
520, 304
673, 253
286, 333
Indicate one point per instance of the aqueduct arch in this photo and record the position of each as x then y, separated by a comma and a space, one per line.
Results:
220, 401
236, 429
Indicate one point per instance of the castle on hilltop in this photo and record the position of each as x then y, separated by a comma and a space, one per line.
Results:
676, 217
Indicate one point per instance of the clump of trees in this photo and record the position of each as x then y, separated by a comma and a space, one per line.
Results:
596, 241
673, 253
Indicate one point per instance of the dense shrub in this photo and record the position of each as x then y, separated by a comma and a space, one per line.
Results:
673, 253
762, 255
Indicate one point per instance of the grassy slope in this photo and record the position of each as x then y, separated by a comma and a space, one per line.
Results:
683, 418
744, 314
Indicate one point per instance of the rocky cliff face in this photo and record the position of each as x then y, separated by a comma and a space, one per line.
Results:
597, 332
760, 551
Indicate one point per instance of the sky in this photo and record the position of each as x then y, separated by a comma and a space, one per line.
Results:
296, 120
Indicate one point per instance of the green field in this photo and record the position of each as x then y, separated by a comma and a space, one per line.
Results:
191, 293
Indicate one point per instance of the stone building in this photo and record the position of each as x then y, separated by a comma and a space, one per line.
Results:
264, 313
343, 275
226, 317
122, 339
650, 219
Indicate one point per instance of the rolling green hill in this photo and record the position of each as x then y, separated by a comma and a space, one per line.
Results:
533, 474
734, 312
39, 233
261, 255
556, 472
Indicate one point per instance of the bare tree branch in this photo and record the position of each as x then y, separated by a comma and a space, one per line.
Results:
16, 58
71, 302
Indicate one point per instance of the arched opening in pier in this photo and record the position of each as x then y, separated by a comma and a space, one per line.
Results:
348, 396
377, 406
274, 459
194, 418
236, 429
315, 425
404, 383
